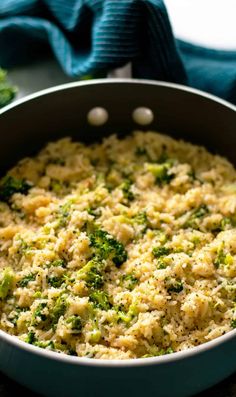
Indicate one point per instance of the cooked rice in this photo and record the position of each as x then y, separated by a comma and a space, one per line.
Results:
122, 249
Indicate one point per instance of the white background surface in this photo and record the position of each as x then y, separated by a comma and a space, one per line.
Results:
210, 23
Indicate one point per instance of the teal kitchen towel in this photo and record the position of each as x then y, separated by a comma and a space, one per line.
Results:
95, 36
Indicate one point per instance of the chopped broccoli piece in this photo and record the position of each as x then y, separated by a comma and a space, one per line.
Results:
141, 218
128, 317
55, 282
25, 280
57, 263
56, 186
7, 91
100, 300
161, 264
160, 251
59, 309
223, 258
161, 352
129, 281
161, 172
126, 189
96, 212
95, 335
75, 323
72, 352
92, 274
30, 338
105, 246
174, 286
6, 283
37, 295
169, 350
192, 175
201, 211
226, 223
64, 212
24, 247
196, 214
44, 344
220, 259
233, 323
38, 314
141, 151
94, 279
164, 158
10, 185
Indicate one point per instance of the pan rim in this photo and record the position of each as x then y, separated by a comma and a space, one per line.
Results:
140, 362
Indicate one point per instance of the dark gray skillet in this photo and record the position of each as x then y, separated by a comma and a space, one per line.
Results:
179, 111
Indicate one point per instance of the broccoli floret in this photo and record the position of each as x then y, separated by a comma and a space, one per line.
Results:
7, 91
44, 344
192, 175
129, 281
6, 282
164, 158
198, 213
169, 350
57, 263
126, 189
128, 316
201, 211
96, 212
75, 323
233, 323
94, 279
161, 172
141, 218
223, 258
64, 213
161, 265
56, 186
141, 151
163, 352
227, 222
10, 185
92, 274
174, 286
55, 282
31, 338
105, 246
100, 300
59, 309
38, 314
25, 280
95, 335
160, 251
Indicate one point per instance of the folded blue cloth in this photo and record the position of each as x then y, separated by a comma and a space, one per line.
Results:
95, 36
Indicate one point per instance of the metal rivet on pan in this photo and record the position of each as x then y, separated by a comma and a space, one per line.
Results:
143, 116
97, 116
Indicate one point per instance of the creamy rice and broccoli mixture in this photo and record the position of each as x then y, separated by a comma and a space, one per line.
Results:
121, 249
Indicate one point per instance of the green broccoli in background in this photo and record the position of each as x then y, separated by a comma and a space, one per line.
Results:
7, 91
10, 185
